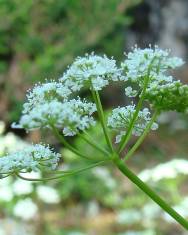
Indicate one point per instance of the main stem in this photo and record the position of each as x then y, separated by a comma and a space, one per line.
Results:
146, 189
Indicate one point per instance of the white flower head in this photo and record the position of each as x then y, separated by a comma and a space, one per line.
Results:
148, 70
6, 193
167, 170
32, 158
128, 216
21, 187
25, 209
149, 61
46, 92
130, 92
48, 194
103, 174
10, 142
70, 116
91, 70
121, 117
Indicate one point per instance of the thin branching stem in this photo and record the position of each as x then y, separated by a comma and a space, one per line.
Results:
128, 134
126, 138
71, 173
90, 141
142, 137
5, 176
100, 111
67, 145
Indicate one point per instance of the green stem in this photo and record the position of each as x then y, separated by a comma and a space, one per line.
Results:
2, 177
97, 100
66, 144
126, 138
74, 172
142, 137
90, 141
145, 188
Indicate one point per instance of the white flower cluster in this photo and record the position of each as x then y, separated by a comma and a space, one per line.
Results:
121, 117
168, 170
104, 174
70, 116
10, 142
45, 92
48, 194
48, 104
91, 70
152, 62
130, 92
29, 159
25, 209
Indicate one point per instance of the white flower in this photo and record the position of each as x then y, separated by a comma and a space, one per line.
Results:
143, 232
10, 142
149, 61
130, 92
150, 212
31, 175
129, 216
76, 233
21, 187
91, 69
6, 193
46, 92
168, 170
48, 194
25, 209
11, 226
93, 209
121, 117
103, 174
29, 159
70, 116
149, 69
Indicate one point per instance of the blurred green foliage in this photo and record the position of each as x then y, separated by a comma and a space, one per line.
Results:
38, 39
50, 33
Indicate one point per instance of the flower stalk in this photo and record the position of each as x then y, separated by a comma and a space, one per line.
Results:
147, 190
100, 111
67, 145
91, 142
63, 175
142, 137
126, 138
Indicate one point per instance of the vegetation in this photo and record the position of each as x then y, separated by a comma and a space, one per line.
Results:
38, 40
